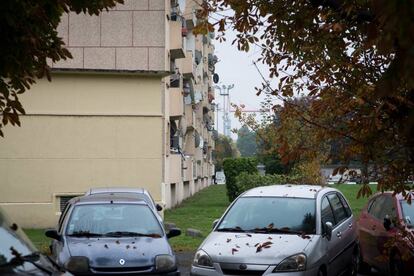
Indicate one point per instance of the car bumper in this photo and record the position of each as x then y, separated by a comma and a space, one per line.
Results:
199, 271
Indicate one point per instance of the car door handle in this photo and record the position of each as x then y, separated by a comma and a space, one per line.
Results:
339, 234
350, 225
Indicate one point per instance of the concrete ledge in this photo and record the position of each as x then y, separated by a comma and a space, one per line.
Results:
193, 233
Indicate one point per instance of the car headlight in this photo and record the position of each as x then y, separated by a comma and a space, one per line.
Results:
293, 263
165, 263
202, 259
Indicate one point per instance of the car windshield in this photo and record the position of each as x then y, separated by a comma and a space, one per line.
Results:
12, 241
408, 212
113, 219
270, 215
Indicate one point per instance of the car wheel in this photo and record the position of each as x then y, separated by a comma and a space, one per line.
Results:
396, 265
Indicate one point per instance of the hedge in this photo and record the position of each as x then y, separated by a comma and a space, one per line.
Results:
245, 181
232, 168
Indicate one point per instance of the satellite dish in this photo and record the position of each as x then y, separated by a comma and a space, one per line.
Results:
216, 78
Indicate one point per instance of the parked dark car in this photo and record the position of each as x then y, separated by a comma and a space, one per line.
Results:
386, 234
18, 256
113, 234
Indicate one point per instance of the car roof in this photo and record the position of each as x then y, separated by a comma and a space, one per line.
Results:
103, 190
287, 190
399, 196
108, 198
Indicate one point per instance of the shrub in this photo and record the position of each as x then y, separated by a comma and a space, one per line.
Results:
245, 181
232, 168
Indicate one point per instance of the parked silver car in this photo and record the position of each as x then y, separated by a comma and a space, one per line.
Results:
282, 230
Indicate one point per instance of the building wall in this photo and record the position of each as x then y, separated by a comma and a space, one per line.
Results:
81, 131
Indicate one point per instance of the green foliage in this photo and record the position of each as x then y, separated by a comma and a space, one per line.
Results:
245, 181
224, 148
246, 142
29, 39
232, 168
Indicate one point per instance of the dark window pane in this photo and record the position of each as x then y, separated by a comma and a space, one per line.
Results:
326, 213
337, 207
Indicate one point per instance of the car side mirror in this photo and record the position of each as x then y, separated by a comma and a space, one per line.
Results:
78, 265
159, 207
215, 223
328, 230
53, 234
174, 232
387, 223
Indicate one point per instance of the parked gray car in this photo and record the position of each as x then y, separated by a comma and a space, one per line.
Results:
282, 230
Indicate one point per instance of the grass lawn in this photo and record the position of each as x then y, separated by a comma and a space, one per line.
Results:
197, 212
201, 210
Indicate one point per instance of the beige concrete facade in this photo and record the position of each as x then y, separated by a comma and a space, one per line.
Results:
114, 115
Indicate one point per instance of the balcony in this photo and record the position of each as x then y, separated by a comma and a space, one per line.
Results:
176, 40
176, 103
186, 65
175, 168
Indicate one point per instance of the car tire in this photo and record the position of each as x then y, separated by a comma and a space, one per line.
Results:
396, 265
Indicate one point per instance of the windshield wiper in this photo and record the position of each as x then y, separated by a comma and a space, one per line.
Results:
267, 230
32, 258
231, 229
131, 234
84, 234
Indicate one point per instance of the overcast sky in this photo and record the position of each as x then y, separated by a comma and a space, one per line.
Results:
235, 67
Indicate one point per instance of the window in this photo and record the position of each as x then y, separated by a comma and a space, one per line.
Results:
250, 213
326, 213
337, 207
107, 218
387, 209
346, 205
63, 201
375, 208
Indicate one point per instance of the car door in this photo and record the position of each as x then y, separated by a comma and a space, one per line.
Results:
367, 228
380, 234
332, 245
342, 235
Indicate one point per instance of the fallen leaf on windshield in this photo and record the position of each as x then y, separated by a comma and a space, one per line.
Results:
117, 242
234, 250
228, 240
106, 246
127, 247
270, 238
248, 235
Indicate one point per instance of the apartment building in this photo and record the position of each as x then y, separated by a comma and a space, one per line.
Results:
133, 108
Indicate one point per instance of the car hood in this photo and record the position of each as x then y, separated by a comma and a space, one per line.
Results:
107, 252
263, 249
